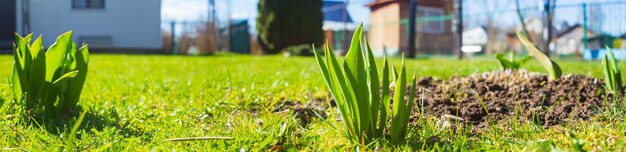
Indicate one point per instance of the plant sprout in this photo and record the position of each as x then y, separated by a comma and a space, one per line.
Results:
510, 62
49, 81
356, 87
554, 71
612, 73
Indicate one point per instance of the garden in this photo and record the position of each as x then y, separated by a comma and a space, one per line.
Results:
66, 99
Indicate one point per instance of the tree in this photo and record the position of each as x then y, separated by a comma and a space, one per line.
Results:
520, 16
284, 23
549, 7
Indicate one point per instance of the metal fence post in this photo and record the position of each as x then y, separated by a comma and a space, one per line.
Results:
585, 37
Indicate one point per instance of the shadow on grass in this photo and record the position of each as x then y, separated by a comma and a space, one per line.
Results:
92, 122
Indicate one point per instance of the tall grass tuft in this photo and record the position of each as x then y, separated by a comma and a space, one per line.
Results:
356, 88
48, 82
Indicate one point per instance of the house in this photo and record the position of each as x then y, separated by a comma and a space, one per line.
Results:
103, 24
570, 40
535, 27
389, 26
8, 11
620, 43
474, 40
337, 25
600, 41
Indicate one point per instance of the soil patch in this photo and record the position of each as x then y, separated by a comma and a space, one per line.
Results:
501, 95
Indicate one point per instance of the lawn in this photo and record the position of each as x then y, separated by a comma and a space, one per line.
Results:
135, 102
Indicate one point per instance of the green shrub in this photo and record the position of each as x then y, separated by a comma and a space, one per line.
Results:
356, 90
510, 62
612, 73
50, 81
554, 71
284, 23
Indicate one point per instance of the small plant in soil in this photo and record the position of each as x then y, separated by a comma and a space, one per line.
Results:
510, 63
356, 89
48, 82
553, 69
612, 73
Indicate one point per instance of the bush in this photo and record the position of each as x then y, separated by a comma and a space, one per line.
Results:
284, 23
301, 50
48, 82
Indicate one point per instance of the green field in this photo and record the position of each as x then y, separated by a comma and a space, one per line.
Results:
134, 102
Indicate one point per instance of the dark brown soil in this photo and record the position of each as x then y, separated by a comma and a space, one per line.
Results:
502, 95
493, 97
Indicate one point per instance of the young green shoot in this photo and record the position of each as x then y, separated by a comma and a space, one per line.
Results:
48, 82
612, 73
356, 87
510, 63
553, 69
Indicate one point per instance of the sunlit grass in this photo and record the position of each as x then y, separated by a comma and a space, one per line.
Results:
135, 102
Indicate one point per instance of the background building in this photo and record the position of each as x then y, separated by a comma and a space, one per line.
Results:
128, 25
388, 31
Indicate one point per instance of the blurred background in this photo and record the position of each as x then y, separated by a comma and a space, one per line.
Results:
461, 28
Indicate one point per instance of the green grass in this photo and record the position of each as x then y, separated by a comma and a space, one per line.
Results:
135, 102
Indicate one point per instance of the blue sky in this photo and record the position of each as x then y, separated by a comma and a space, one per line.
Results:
196, 10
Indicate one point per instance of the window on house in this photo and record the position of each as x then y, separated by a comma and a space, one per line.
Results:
429, 20
88, 4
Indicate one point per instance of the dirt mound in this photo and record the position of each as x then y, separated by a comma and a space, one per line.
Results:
494, 96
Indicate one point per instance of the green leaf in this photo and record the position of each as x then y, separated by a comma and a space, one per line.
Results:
524, 60
616, 72
19, 81
506, 64
56, 56
373, 91
41, 80
608, 74
65, 77
356, 89
409, 108
75, 86
554, 71
346, 97
16, 87
38, 68
399, 105
386, 95
355, 71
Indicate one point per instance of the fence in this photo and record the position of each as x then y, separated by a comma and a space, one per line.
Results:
576, 27
205, 37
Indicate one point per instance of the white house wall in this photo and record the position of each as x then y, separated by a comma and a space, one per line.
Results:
571, 42
132, 24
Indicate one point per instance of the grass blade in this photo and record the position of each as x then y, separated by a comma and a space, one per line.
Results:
70, 142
